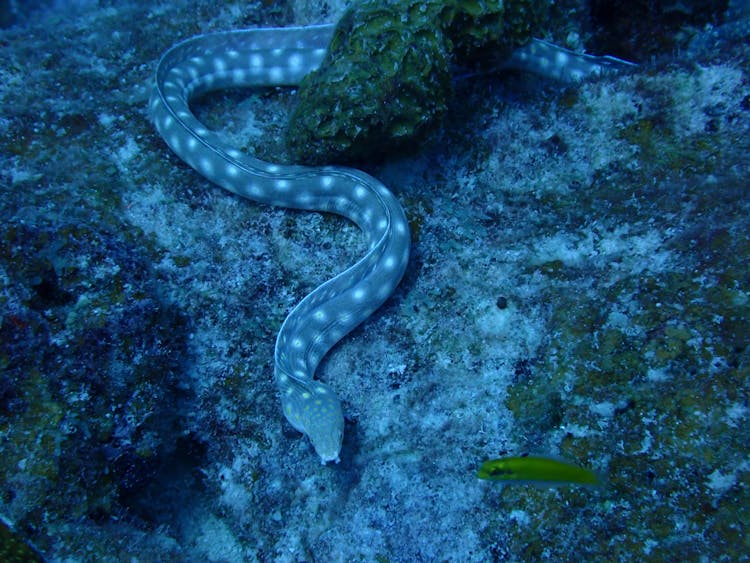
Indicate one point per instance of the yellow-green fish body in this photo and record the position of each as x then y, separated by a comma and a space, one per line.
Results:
536, 469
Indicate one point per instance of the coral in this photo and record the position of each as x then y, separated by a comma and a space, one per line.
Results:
386, 77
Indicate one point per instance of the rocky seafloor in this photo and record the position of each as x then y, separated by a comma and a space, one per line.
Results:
579, 288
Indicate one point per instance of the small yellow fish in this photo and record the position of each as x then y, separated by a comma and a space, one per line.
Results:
536, 469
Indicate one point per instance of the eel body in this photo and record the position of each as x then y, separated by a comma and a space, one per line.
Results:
281, 57
272, 57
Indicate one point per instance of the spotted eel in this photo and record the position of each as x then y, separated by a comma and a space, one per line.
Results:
282, 56
272, 57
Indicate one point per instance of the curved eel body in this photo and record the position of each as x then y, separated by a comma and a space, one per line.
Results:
271, 57
282, 56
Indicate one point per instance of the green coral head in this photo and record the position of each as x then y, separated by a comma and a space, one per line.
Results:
387, 75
